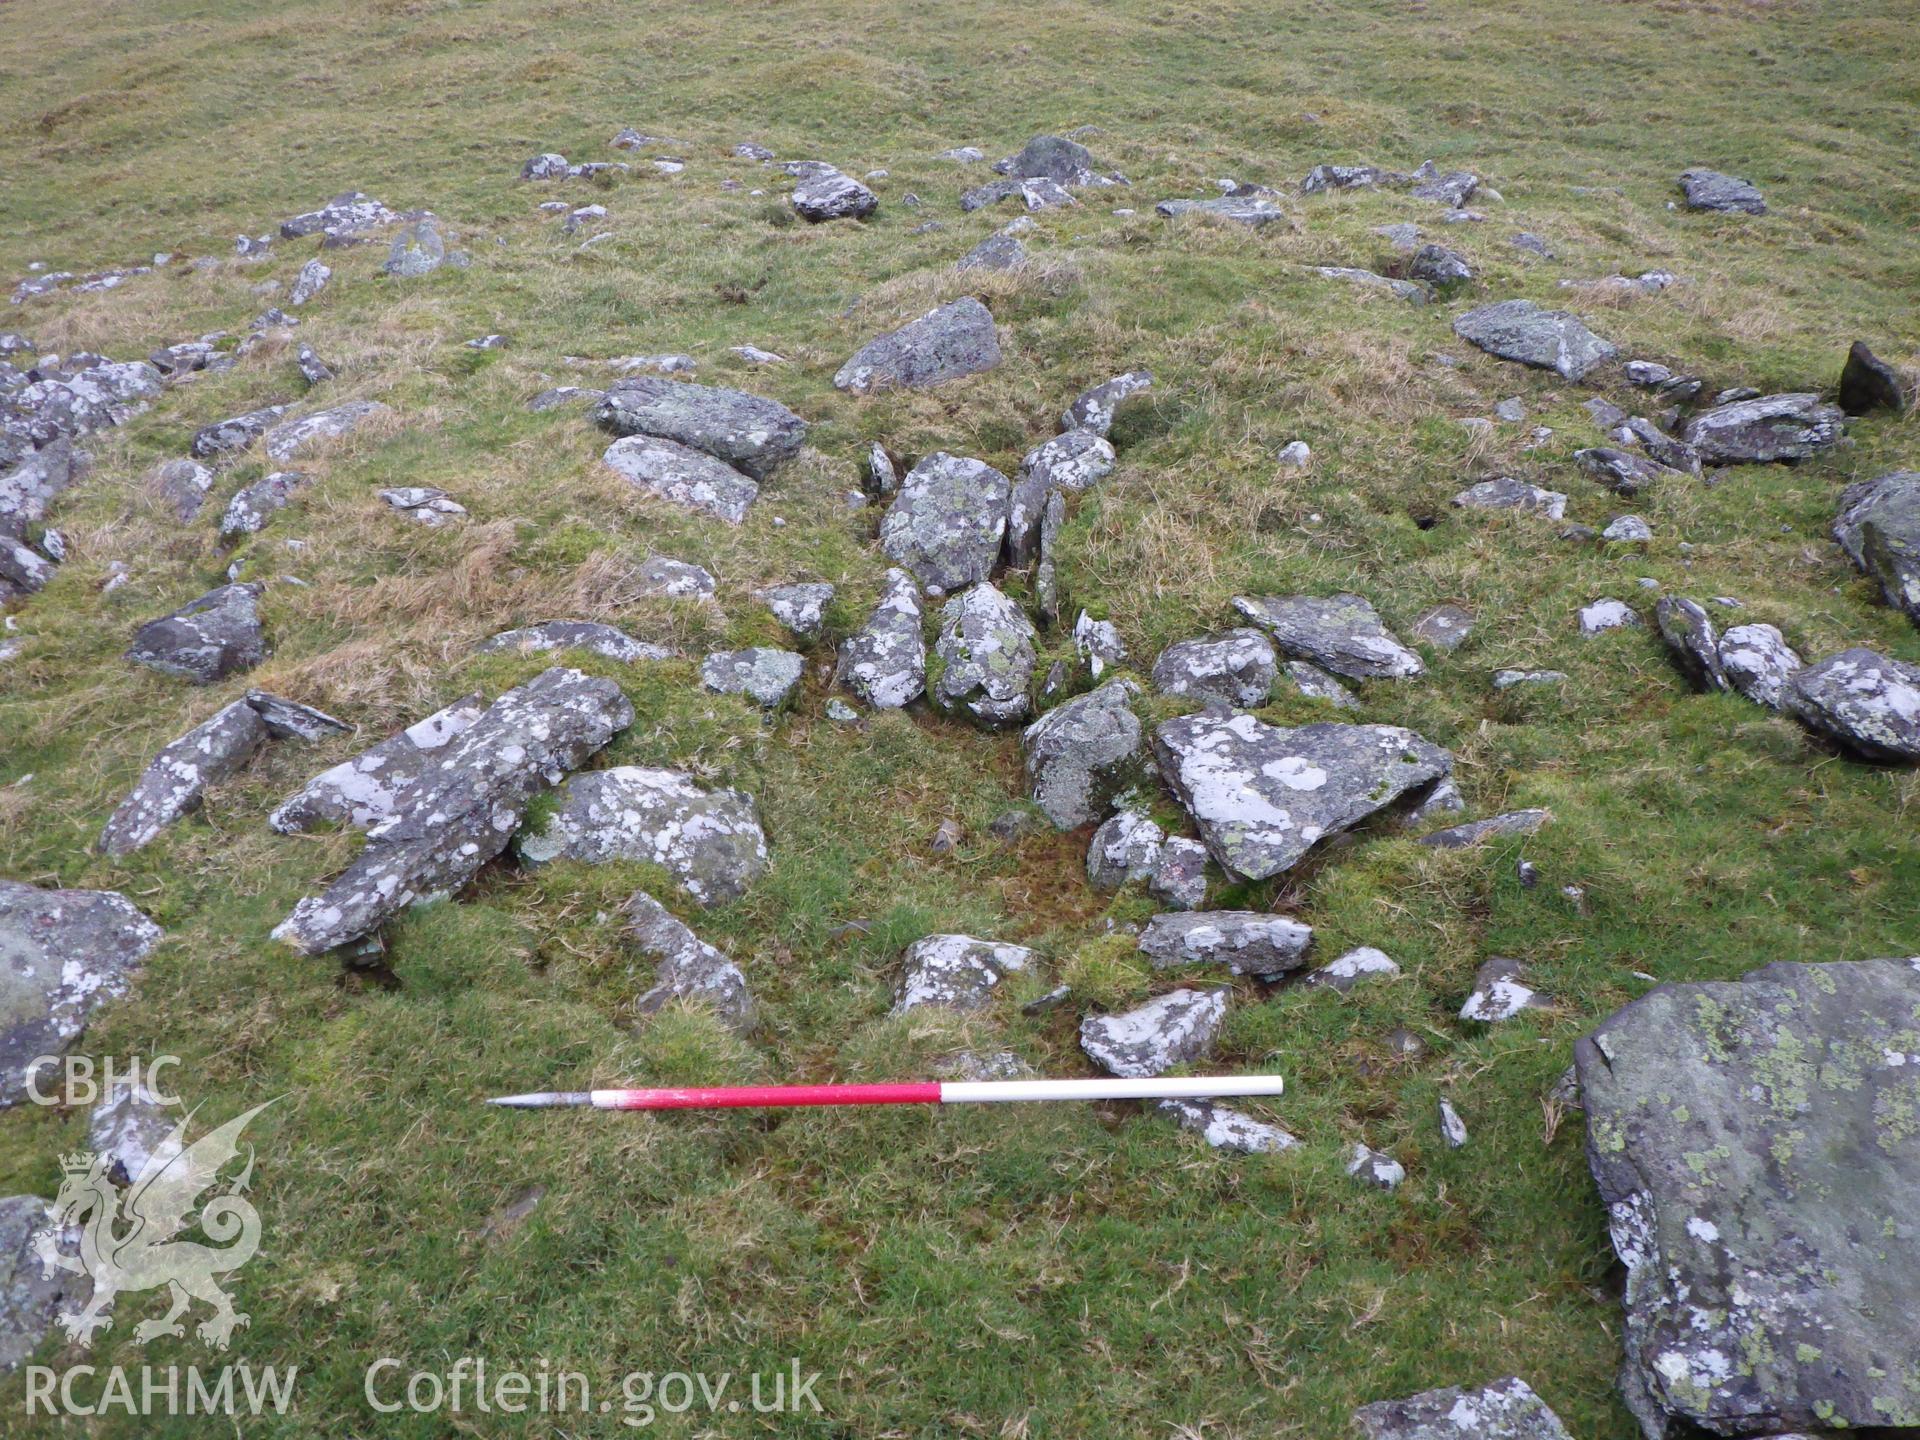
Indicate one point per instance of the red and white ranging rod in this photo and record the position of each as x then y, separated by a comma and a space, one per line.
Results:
912, 1092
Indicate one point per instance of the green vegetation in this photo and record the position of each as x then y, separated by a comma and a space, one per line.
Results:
1061, 1272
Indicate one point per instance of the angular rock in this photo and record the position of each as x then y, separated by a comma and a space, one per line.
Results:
1508, 679
885, 661
565, 395
1237, 667
23, 570
1125, 847
1151, 1039
361, 792
986, 647
1753, 1142
1868, 702
1437, 265
213, 637
589, 635
684, 476
1452, 188
947, 523
311, 280
290, 720
1316, 684
833, 196
802, 608
1452, 1127
766, 676
946, 343
1094, 410
1513, 822
33, 1297
955, 971
1606, 614
1520, 331
1179, 878
417, 250
177, 780
999, 251
1347, 177
1357, 966
1072, 460
128, 1129
1250, 210
1505, 1410
1075, 754
29, 487
1505, 493
1339, 632
689, 969
1868, 383
1879, 528
66, 952
1627, 530
313, 369
1710, 190
1412, 293
1263, 796
1228, 1129
1247, 942
752, 434
250, 509
1046, 582
182, 484
235, 433
1370, 1167
344, 214
464, 806
1770, 428
1759, 663
292, 439
1500, 992
1621, 471
1052, 157
1445, 627
1097, 643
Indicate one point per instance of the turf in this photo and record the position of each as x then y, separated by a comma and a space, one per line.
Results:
1065, 1272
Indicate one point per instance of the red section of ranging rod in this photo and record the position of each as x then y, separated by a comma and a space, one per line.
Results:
918, 1092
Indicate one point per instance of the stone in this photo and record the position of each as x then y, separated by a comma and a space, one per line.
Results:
1247, 942
689, 970
251, 507
1512, 410
182, 484
1445, 627
33, 1295
1868, 702
67, 952
1710, 190
1606, 614
1027, 504
802, 607
417, 250
1295, 455
1500, 992
1503, 492
1094, 410
833, 196
311, 280
1263, 796
884, 662
178, 779
669, 363
1370, 1167
35, 481
748, 150
1509, 679
344, 215
1520, 331
1253, 211
1868, 383
1073, 460
290, 720
986, 649
1408, 290
947, 523
1237, 668
972, 1065
1879, 528
1758, 663
883, 478
1046, 582
963, 155
999, 251
1404, 237
1151, 1039
1179, 878
766, 676
1043, 194
1340, 632
213, 637
1437, 265
424, 505
191, 356
1452, 1128
948, 342
1505, 1410
1771, 428
683, 476
128, 1129
313, 369
1751, 1141
1227, 1129
565, 395
1452, 188
1098, 644
361, 792
754, 355
1621, 471
589, 635
957, 972
1627, 530
1125, 847
750, 433
23, 570
1512, 822
1052, 157
235, 433
1077, 752
1355, 967
1347, 177
581, 216
1316, 684
294, 439
548, 166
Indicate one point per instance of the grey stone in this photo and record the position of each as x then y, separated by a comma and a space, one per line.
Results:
957, 972
251, 507
1347, 177
1052, 157
236, 433
683, 476
1228, 1129
999, 251
1370, 1167
948, 342
1098, 644
1879, 528
1769, 428
1513, 822
1661, 448
986, 648
1500, 992
948, 521
361, 792
293, 439
424, 505
885, 661
689, 968
1263, 796
32, 484
1094, 410
1076, 754
1452, 188
589, 635
66, 952
1179, 878
33, 1294
290, 720
1868, 383
1046, 582
177, 780
1521, 331
548, 166
766, 676
1404, 237
1072, 460
23, 570
1606, 614
801, 607
1247, 942
1868, 702
883, 477
213, 637
1503, 492
1237, 667
1505, 1410
752, 434
1445, 627
1437, 265
833, 196
1044, 194
345, 214
661, 576
417, 250
182, 484
1627, 529
1710, 190
313, 369
1512, 410
129, 1129
1753, 1142
1253, 210
1355, 967
1316, 684
1151, 1039
1510, 679
1759, 663
1340, 632
1408, 290
311, 280
1125, 847
1621, 471
565, 395
1452, 1127
189, 356
1027, 504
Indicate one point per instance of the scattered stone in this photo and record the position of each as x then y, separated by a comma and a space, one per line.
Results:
1263, 796
313, 369
1316, 684
747, 432
182, 484
1403, 237
290, 720
1606, 614
23, 570
956, 971
948, 342
1408, 290
1228, 1129
1623, 473
417, 250
885, 661
1627, 529
999, 251
1521, 331
1452, 1127
689, 969
1453, 188
1126, 847
1758, 663
129, 1129
589, 635
883, 477
361, 792
667, 364
1179, 877
1353, 968
176, 782
1168, 1030
1073, 460
1868, 383
1445, 627
1505, 1410
1500, 993
986, 648
1253, 211
1879, 528
948, 521
1736, 394
1868, 702
251, 507
1505, 493
683, 476
1052, 157
1771, 428
1237, 667
833, 196
1295, 455
1532, 244
1348, 177
767, 677
1247, 942
550, 166
1439, 266
1513, 822
311, 280
343, 216
963, 155
66, 952
801, 608
1097, 644
1370, 1167
1340, 632
754, 355
424, 504
295, 439
1509, 679
947, 837
1512, 410
1710, 190
660, 576
1046, 583
235, 433
1095, 409
213, 637
971, 1065
1076, 753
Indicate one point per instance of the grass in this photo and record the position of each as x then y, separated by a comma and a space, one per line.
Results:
1048, 1273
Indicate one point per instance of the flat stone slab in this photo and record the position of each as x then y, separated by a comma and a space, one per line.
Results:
1151, 1039
1094, 409
885, 661
955, 971
1237, 667
1756, 1145
1227, 1129
1503, 492
1710, 190
361, 792
1340, 632
1765, 429
177, 780
750, 433
1247, 942
207, 640
1253, 211
1505, 1410
32, 1298
947, 343
1513, 822
293, 439
683, 476
833, 196
801, 607
1264, 796
948, 521
1867, 701
1879, 528
590, 635
1520, 331
764, 675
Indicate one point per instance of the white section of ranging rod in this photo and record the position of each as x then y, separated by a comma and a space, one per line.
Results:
986, 1092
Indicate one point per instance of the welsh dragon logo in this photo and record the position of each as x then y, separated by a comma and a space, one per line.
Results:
126, 1238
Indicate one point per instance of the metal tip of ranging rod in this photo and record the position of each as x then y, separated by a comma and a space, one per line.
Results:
543, 1099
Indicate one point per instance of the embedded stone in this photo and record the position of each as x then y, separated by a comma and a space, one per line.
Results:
1247, 942
1151, 1039
1340, 632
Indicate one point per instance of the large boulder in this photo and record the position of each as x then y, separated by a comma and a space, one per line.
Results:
213, 637
1052, 157
885, 661
1879, 528
1867, 701
1621, 471
1151, 1039
465, 804
689, 968
1750, 660
1756, 1146
62, 954
177, 780
752, 434
1710, 190
710, 841
955, 971
947, 523
829, 195
1769, 428
1076, 754
1237, 667
28, 487
986, 648
361, 792
1340, 632
946, 343
1521, 331
1247, 942
1071, 460
1264, 796
1505, 1410
683, 476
